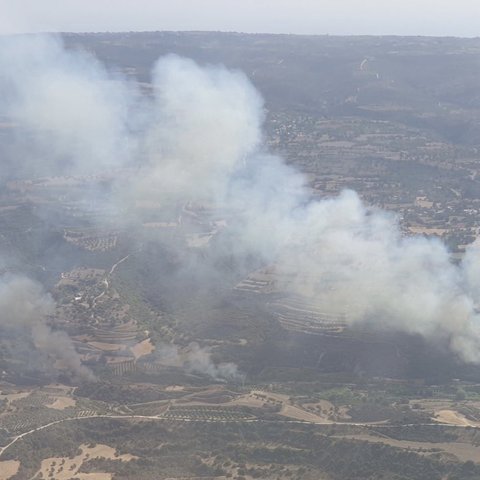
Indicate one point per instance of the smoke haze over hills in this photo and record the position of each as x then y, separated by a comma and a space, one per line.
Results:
197, 138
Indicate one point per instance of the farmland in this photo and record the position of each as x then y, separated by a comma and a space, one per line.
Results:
216, 408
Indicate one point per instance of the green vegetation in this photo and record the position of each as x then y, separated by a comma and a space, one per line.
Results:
209, 449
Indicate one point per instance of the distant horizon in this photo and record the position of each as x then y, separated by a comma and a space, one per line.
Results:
429, 18
237, 32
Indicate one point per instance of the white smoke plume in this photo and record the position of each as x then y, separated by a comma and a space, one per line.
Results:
204, 123
355, 259
72, 111
24, 305
196, 359
351, 257
200, 140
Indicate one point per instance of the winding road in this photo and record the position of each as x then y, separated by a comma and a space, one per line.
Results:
161, 417
105, 280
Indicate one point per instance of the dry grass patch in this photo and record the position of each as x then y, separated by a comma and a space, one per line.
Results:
175, 388
298, 413
61, 403
451, 417
8, 469
65, 468
12, 397
142, 348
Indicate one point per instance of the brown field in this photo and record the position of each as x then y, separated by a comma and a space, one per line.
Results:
11, 397
175, 388
61, 403
297, 413
445, 411
64, 468
452, 417
142, 348
8, 469
259, 399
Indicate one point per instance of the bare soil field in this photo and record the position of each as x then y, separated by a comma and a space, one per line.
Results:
259, 399
175, 388
8, 469
142, 348
326, 409
446, 411
298, 413
61, 403
64, 468
451, 417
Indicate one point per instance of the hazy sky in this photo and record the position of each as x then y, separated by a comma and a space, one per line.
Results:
400, 17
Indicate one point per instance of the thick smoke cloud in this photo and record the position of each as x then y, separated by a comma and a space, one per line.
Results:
356, 260
204, 123
345, 255
24, 308
73, 114
199, 140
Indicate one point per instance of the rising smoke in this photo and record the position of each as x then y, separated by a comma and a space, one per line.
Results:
196, 359
203, 124
25, 308
72, 113
199, 139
